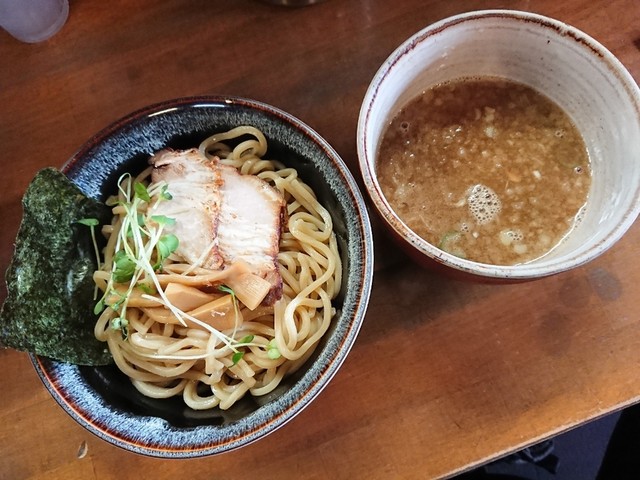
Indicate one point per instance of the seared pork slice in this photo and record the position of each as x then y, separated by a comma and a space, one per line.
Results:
249, 226
222, 217
194, 184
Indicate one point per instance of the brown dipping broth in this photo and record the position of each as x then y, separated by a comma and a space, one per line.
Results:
486, 169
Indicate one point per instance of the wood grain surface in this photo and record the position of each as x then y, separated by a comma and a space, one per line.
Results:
445, 375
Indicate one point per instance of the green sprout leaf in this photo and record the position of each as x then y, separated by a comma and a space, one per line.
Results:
142, 192
124, 267
163, 220
167, 244
121, 324
89, 222
225, 289
164, 194
122, 298
247, 339
97, 310
146, 288
272, 350
118, 322
237, 357
448, 243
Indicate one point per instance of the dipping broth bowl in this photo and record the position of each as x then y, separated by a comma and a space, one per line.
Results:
557, 60
102, 399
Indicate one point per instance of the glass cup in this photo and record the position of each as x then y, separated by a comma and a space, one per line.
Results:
33, 21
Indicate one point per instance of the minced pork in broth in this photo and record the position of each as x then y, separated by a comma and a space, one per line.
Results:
486, 169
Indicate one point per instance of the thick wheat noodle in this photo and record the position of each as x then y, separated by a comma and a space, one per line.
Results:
168, 359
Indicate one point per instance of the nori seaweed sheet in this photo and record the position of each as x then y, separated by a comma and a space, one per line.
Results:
49, 307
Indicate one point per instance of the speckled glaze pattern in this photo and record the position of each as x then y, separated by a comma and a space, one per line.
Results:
102, 399
560, 61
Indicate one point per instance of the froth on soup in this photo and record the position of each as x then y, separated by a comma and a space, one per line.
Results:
485, 169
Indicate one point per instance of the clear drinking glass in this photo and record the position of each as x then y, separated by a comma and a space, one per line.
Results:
33, 21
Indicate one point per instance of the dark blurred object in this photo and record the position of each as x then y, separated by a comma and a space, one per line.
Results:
622, 458
293, 3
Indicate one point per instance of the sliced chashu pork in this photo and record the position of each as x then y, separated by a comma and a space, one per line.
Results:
194, 184
249, 225
222, 217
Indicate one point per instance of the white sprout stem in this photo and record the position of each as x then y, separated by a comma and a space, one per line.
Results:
201, 258
154, 188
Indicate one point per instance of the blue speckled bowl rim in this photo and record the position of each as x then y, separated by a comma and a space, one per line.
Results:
153, 436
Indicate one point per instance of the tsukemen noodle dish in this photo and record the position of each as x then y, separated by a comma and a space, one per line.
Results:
205, 293
216, 271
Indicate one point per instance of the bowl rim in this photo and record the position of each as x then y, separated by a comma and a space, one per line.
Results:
285, 407
402, 232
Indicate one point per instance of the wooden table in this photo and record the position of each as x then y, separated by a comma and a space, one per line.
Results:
445, 375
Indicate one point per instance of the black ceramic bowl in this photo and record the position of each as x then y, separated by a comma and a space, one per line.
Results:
102, 399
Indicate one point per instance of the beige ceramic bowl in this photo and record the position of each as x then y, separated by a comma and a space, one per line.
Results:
563, 63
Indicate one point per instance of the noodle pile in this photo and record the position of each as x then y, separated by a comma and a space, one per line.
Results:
207, 367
